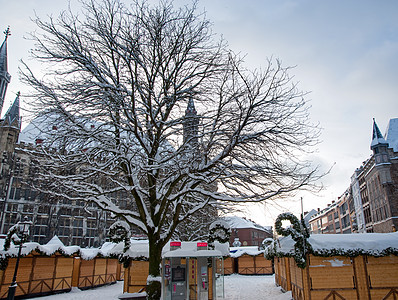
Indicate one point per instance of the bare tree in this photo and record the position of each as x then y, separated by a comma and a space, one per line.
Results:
117, 82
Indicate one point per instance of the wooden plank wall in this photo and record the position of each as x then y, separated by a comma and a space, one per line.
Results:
339, 277
95, 272
284, 273
38, 275
136, 276
254, 265
229, 264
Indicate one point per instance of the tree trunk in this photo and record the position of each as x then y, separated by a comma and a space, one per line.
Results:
154, 279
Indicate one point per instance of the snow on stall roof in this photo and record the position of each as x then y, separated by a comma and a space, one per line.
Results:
55, 241
238, 222
56, 245
249, 250
189, 249
139, 249
367, 243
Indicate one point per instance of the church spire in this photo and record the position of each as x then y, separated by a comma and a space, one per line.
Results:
12, 117
191, 124
377, 137
5, 77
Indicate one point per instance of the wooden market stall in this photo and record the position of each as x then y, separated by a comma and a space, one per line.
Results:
282, 273
43, 269
229, 265
94, 272
250, 261
54, 268
350, 266
38, 275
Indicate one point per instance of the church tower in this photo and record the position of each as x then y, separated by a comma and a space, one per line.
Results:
5, 77
379, 145
191, 125
10, 127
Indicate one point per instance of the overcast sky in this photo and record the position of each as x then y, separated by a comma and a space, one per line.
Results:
345, 53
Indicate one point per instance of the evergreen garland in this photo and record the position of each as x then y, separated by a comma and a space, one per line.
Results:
12, 237
299, 233
120, 232
219, 231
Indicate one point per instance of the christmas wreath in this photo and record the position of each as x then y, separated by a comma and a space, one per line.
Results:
299, 233
219, 231
120, 232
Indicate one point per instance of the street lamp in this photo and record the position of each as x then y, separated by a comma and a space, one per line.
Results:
23, 231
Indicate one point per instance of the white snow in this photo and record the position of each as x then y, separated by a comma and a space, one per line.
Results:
371, 243
249, 250
237, 287
237, 222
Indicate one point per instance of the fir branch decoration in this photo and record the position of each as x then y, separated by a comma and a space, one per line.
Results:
219, 231
299, 233
12, 237
120, 232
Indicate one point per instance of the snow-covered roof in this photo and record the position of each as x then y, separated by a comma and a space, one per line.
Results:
249, 250
374, 244
55, 245
391, 135
239, 223
139, 249
377, 137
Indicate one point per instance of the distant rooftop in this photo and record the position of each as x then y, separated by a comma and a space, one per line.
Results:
391, 135
238, 222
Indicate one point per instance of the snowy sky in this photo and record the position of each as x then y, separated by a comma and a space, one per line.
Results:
345, 53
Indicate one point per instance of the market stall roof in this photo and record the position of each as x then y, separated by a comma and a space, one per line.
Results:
192, 253
373, 244
139, 249
55, 245
249, 250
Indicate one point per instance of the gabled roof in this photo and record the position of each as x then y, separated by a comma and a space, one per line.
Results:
239, 223
377, 137
12, 116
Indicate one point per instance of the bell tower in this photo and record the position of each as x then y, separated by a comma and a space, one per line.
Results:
5, 77
191, 125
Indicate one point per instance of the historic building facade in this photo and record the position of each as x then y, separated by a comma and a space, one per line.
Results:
370, 204
245, 232
71, 221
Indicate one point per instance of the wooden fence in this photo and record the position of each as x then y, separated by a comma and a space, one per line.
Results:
254, 265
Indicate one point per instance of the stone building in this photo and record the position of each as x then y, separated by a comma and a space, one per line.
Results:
370, 204
70, 220
247, 232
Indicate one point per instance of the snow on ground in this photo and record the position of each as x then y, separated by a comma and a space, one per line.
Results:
237, 287
253, 287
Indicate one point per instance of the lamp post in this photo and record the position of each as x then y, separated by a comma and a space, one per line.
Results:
23, 230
